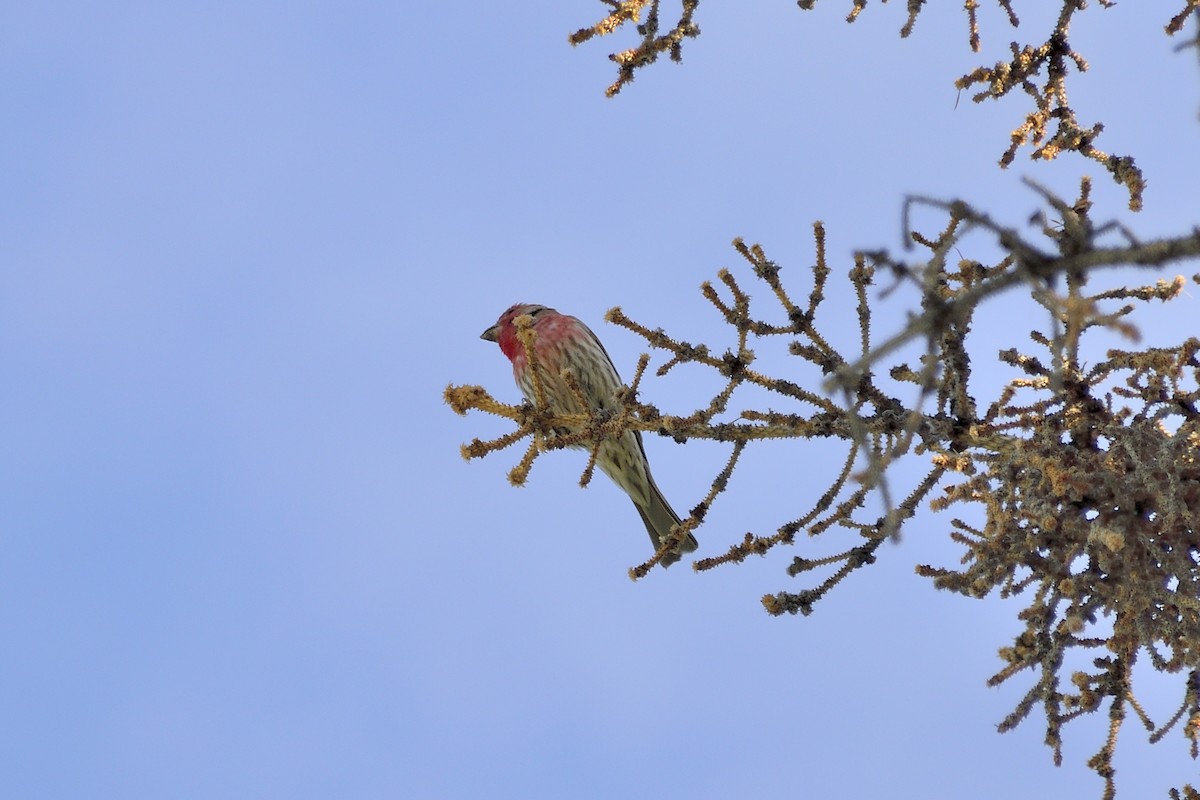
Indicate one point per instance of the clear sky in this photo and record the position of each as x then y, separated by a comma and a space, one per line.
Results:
245, 246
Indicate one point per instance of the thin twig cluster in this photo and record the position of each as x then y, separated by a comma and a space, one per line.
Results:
1038, 69
1053, 59
653, 43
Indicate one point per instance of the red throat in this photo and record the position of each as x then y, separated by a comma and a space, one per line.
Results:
510, 345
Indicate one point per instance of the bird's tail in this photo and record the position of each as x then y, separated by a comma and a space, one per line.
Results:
659, 517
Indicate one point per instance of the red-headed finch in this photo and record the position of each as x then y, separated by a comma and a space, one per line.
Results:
563, 342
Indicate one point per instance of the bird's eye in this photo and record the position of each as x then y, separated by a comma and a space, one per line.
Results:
536, 311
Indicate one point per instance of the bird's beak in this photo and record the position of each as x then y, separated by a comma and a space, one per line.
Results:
489, 334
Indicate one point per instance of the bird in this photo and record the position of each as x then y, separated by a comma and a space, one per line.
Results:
564, 342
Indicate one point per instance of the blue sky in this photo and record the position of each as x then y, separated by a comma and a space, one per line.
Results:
246, 246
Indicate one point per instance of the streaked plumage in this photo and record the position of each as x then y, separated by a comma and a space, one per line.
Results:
562, 342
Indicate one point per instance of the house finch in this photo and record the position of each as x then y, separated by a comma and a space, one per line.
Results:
563, 342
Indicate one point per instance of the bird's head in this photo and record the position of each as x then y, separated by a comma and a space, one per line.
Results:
504, 332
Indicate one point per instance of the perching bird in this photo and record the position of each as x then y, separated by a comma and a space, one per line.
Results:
563, 342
